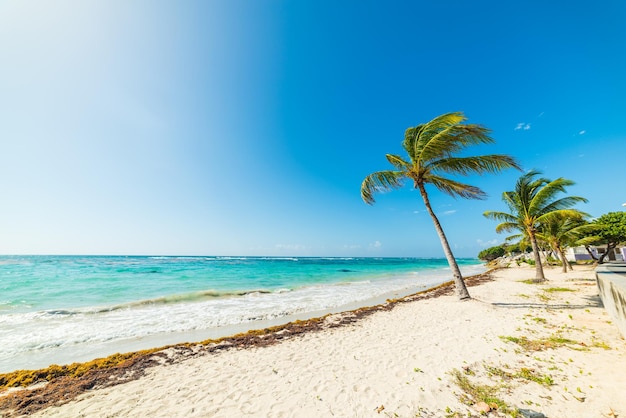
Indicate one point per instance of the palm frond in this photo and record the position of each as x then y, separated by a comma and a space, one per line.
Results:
480, 164
561, 216
526, 188
455, 188
513, 202
585, 229
546, 194
398, 162
500, 216
419, 137
520, 237
445, 143
507, 226
589, 240
378, 182
411, 136
454, 139
563, 204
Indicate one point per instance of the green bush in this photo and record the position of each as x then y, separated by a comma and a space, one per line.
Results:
492, 253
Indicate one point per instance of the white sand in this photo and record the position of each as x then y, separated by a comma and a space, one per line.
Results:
401, 360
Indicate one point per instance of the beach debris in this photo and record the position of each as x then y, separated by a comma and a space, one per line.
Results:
102, 373
482, 407
379, 409
467, 370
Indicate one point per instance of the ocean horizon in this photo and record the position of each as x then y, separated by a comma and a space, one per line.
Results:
58, 309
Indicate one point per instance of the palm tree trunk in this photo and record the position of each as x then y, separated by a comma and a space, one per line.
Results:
561, 255
566, 263
593, 257
539, 276
459, 283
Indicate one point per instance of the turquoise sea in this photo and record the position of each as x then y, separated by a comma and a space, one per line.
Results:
61, 309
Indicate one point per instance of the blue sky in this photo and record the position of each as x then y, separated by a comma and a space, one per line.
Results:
246, 127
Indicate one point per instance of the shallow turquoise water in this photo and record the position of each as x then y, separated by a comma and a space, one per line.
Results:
31, 283
53, 305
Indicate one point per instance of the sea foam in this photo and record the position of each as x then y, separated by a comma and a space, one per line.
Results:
33, 339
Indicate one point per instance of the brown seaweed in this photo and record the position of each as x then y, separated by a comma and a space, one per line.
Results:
57, 385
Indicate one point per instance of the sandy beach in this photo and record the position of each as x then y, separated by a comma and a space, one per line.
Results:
549, 348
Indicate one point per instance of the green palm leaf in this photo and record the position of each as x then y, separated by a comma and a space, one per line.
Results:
469, 165
398, 162
500, 216
455, 188
379, 182
506, 227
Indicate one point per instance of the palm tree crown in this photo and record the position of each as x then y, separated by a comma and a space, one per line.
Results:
534, 203
433, 150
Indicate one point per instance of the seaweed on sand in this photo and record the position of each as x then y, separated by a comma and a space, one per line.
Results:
57, 385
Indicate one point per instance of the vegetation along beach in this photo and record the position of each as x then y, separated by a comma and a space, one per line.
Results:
312, 209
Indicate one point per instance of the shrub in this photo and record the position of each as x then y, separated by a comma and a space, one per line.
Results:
492, 253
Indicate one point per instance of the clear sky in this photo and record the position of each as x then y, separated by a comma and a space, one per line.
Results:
231, 127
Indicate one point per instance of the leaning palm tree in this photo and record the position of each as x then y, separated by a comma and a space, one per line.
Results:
533, 203
562, 231
432, 150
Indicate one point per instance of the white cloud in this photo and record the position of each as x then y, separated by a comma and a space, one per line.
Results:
351, 246
582, 132
486, 244
449, 212
522, 125
376, 244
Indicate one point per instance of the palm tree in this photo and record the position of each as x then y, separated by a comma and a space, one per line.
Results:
432, 148
534, 203
562, 231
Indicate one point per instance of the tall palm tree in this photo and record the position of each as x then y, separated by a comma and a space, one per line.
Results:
432, 150
534, 202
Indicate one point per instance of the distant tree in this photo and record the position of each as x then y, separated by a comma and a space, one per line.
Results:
491, 253
534, 202
562, 231
611, 231
433, 150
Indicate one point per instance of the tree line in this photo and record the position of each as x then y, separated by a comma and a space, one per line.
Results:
608, 230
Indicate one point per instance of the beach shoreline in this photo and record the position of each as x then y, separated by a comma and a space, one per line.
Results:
104, 305
405, 358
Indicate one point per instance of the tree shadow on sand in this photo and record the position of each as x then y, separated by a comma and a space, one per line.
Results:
594, 301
